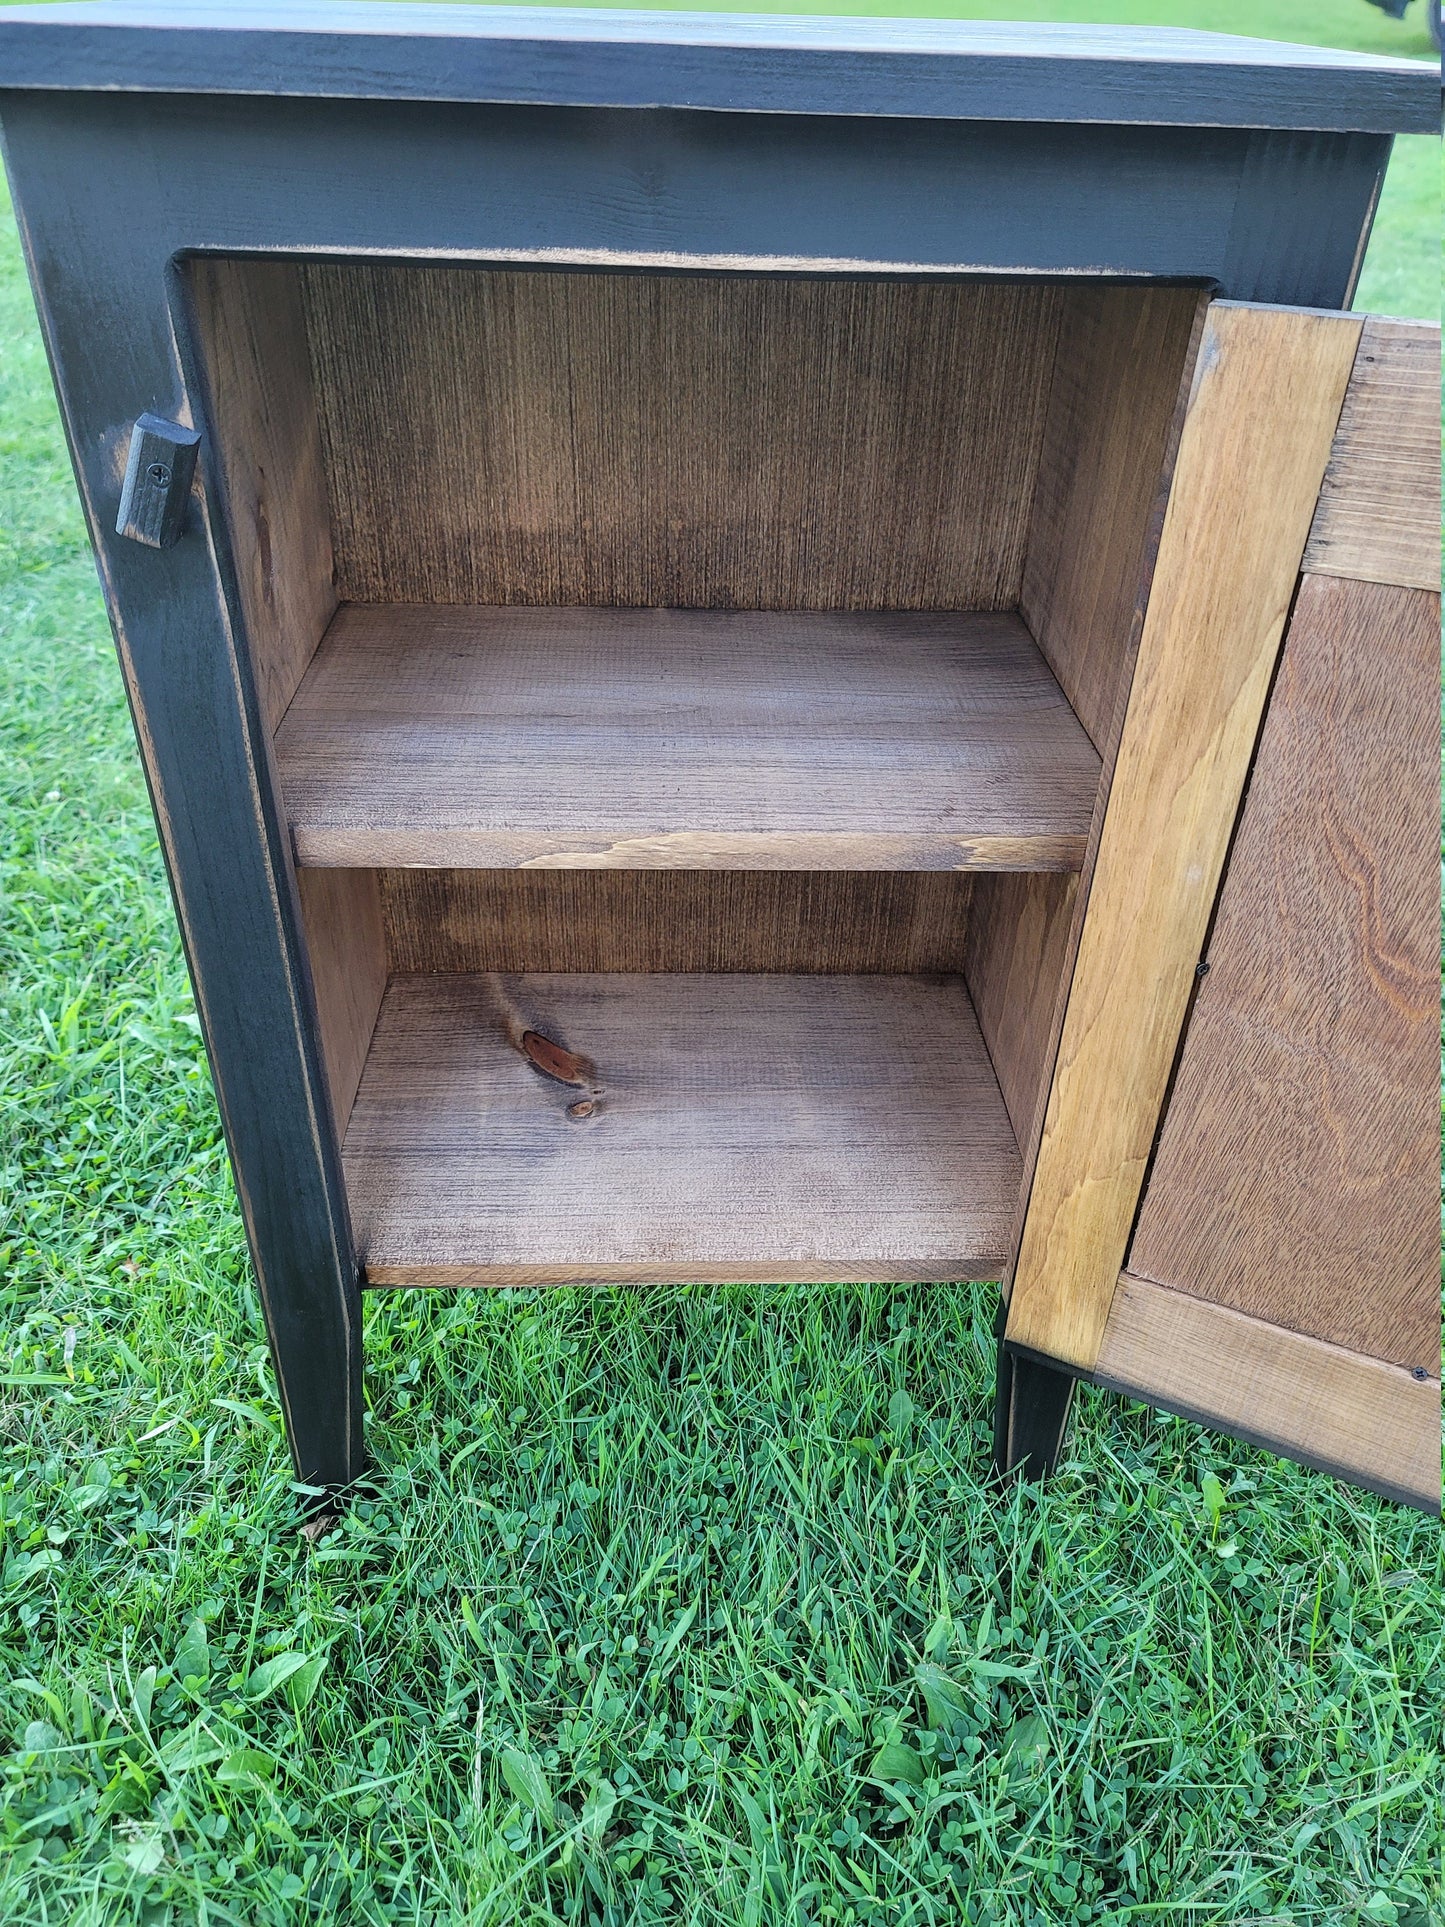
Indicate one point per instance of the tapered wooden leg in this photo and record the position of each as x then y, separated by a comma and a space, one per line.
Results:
1031, 1411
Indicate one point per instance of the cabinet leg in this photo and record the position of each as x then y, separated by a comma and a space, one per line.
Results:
316, 1354
1031, 1411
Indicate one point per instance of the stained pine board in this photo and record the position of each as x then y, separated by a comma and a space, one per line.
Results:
1119, 388
1297, 1174
1357, 1416
267, 443
679, 440
346, 948
659, 738
845, 922
749, 1127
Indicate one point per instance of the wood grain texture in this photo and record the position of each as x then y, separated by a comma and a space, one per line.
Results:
1371, 1423
1014, 958
1120, 380
346, 949
851, 922
1266, 397
267, 441
1120, 389
1096, 516
692, 739
1378, 518
1297, 1173
749, 1127
679, 440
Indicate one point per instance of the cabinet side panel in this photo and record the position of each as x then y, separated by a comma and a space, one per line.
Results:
1266, 397
686, 441
1297, 1174
1121, 389
346, 949
1016, 952
856, 922
1099, 505
263, 413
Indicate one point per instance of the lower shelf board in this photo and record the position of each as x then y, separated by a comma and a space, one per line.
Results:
744, 1128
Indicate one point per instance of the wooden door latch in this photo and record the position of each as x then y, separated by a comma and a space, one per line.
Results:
158, 475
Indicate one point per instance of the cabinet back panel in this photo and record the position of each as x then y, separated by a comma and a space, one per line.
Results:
683, 441
857, 921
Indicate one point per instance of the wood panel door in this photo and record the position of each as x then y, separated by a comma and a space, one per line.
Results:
1269, 1263
1282, 1280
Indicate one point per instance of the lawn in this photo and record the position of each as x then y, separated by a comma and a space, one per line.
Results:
668, 1606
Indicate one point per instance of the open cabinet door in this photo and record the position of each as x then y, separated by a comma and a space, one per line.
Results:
1283, 1279
1234, 1209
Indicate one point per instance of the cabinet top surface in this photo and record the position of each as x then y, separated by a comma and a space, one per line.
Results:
806, 64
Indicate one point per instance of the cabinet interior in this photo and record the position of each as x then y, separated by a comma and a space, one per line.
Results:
717, 677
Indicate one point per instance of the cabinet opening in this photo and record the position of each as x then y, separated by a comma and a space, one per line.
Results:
726, 671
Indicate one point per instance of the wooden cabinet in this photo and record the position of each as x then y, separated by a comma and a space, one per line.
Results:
730, 664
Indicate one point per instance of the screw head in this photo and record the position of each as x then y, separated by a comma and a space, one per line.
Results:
159, 474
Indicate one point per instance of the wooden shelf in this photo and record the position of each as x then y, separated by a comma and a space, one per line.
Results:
749, 1127
661, 738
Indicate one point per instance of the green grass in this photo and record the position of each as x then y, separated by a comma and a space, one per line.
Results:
650, 1578
1401, 275
1318, 23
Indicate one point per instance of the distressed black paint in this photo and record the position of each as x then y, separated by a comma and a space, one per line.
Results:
970, 70
826, 146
